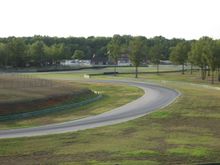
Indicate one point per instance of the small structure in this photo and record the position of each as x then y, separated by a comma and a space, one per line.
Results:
99, 61
166, 62
124, 60
75, 62
87, 76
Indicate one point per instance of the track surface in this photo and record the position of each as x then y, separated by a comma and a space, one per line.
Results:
155, 97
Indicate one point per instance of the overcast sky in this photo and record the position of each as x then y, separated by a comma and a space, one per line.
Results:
189, 19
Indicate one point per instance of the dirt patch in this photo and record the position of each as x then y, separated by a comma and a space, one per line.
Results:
38, 104
20, 94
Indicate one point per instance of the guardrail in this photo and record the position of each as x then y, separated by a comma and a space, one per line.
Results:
153, 72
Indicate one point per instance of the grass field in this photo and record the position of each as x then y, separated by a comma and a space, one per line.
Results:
150, 68
186, 78
113, 96
20, 94
80, 73
185, 132
16, 88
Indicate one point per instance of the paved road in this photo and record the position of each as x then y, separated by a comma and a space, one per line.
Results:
155, 97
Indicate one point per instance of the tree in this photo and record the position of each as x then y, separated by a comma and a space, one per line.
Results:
3, 55
210, 55
217, 57
37, 51
156, 55
57, 52
137, 50
78, 54
197, 57
179, 54
97, 46
190, 56
48, 52
17, 50
190, 60
164, 45
114, 49
43, 50
54, 53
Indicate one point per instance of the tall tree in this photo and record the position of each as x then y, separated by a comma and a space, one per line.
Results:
179, 54
17, 51
57, 51
3, 55
48, 52
37, 51
114, 49
190, 56
137, 50
78, 54
217, 57
197, 56
190, 60
156, 55
209, 54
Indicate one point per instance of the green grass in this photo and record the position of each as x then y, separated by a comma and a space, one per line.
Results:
185, 132
174, 77
113, 96
80, 73
143, 162
65, 75
150, 68
194, 152
141, 153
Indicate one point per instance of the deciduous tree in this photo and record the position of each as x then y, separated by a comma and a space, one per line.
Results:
156, 55
137, 50
179, 54
114, 49
78, 54
197, 56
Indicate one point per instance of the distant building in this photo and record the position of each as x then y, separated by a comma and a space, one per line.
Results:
166, 62
75, 62
123, 60
99, 60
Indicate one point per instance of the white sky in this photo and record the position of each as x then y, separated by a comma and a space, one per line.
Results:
188, 19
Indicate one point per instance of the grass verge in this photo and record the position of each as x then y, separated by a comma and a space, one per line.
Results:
113, 96
186, 132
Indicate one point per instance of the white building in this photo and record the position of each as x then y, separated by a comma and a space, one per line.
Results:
75, 62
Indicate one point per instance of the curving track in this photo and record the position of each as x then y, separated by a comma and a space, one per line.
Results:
155, 97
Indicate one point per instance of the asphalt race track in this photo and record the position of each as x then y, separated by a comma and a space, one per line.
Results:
155, 97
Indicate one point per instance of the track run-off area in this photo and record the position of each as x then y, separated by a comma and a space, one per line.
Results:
155, 97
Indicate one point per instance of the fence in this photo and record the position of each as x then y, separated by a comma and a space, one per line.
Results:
16, 80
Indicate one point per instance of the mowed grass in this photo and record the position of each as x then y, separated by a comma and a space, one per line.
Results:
113, 96
80, 73
150, 68
195, 77
185, 132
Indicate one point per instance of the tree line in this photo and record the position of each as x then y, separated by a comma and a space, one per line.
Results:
46, 51
203, 53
